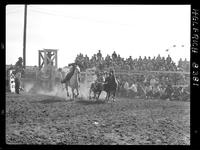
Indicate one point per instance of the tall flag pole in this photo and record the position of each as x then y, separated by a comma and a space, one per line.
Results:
24, 38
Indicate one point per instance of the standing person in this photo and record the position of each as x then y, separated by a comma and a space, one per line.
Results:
19, 69
17, 82
18, 65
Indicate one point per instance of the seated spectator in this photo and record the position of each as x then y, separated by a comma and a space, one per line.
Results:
169, 91
157, 91
149, 91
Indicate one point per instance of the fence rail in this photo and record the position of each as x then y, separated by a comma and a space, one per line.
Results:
148, 72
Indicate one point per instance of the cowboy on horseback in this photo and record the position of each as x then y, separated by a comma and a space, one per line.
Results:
71, 78
70, 74
110, 74
111, 85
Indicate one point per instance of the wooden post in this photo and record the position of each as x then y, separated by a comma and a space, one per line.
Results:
56, 63
24, 38
39, 59
45, 58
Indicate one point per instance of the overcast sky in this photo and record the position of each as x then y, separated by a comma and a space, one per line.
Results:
136, 30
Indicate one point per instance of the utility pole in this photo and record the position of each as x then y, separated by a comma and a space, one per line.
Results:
24, 38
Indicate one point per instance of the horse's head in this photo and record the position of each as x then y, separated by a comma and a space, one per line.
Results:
77, 69
77, 72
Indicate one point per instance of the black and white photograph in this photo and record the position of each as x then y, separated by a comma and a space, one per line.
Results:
97, 74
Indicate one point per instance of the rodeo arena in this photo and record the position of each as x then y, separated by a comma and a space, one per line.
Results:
98, 101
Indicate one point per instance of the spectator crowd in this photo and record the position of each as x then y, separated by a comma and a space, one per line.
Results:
141, 64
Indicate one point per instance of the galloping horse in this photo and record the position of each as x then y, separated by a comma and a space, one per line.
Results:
71, 78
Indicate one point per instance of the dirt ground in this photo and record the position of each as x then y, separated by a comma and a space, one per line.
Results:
42, 119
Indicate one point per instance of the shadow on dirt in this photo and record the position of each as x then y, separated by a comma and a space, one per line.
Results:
90, 102
52, 100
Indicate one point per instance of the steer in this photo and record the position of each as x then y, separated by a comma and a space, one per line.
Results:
96, 88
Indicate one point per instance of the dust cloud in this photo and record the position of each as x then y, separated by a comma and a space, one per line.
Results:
59, 89
28, 86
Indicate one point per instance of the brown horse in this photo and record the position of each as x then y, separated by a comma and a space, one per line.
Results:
111, 86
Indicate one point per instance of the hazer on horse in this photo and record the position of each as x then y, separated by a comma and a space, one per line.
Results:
111, 85
71, 78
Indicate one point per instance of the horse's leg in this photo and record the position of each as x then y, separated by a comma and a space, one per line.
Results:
94, 95
108, 96
98, 95
66, 86
114, 93
127, 93
90, 92
77, 91
73, 95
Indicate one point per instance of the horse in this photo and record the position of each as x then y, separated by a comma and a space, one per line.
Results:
111, 85
71, 78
